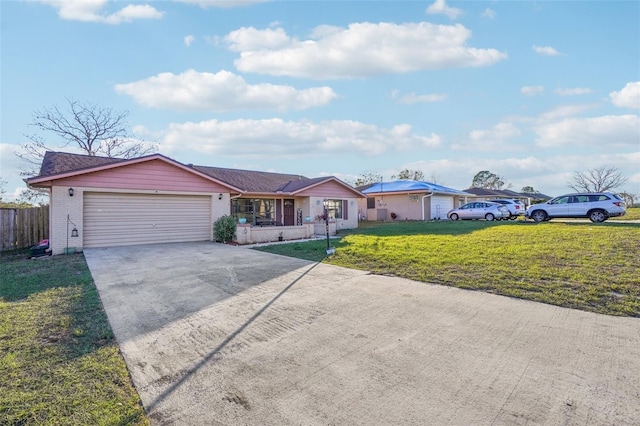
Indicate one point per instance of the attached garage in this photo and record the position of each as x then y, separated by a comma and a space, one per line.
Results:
440, 205
116, 219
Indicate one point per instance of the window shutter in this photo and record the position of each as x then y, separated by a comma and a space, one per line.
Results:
345, 209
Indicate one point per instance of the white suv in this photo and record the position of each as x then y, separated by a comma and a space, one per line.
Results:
597, 206
516, 208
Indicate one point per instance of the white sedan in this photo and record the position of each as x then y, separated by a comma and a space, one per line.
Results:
480, 210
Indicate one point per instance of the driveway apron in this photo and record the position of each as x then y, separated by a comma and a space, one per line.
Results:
220, 335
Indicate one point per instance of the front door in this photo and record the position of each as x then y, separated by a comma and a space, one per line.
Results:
289, 213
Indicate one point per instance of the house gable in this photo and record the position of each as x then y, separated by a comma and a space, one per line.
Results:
156, 174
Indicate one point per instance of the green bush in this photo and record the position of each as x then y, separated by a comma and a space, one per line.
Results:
225, 229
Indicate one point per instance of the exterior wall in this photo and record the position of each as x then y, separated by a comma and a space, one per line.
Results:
316, 208
61, 205
400, 204
150, 175
247, 234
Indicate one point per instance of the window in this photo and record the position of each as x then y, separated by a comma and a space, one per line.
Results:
257, 211
371, 202
334, 208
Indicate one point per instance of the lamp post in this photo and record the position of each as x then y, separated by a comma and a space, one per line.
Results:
325, 203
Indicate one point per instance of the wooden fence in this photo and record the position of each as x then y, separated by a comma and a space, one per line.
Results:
21, 228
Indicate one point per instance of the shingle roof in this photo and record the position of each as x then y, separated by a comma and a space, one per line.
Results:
55, 163
252, 181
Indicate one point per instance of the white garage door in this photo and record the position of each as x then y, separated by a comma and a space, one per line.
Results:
440, 205
126, 219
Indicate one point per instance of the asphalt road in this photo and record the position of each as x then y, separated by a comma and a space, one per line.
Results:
221, 335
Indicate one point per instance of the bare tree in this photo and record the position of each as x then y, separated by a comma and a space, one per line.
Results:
89, 128
436, 178
600, 179
628, 198
92, 129
409, 174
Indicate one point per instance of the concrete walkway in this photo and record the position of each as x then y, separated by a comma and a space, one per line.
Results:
220, 335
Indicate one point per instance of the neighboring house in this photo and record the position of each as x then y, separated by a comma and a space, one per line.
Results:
483, 194
101, 202
408, 200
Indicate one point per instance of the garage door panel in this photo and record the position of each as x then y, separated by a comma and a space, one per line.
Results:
127, 219
440, 205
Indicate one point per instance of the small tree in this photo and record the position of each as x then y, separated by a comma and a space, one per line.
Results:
409, 174
225, 229
487, 180
529, 190
600, 179
367, 178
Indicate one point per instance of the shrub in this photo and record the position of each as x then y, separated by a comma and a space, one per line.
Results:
225, 229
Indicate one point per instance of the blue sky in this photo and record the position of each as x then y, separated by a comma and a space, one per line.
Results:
531, 91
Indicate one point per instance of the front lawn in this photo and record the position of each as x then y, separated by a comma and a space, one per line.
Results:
59, 362
593, 267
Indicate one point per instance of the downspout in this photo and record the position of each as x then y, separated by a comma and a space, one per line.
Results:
423, 198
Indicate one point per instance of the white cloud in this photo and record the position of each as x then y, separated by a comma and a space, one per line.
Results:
362, 49
531, 90
546, 51
573, 91
290, 139
222, 91
222, 4
610, 131
628, 97
92, 11
549, 175
440, 7
498, 137
188, 40
566, 111
489, 13
412, 98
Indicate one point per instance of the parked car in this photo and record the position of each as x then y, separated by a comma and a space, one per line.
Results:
479, 210
516, 208
597, 206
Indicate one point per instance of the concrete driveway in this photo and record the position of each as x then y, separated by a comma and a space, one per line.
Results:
221, 335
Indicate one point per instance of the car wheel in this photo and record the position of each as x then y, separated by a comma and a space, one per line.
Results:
597, 216
454, 216
489, 217
539, 216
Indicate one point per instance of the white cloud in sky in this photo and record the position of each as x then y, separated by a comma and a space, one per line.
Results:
412, 98
609, 130
222, 91
628, 97
362, 49
440, 7
489, 13
563, 111
290, 139
498, 137
546, 51
222, 4
92, 11
531, 90
573, 91
188, 40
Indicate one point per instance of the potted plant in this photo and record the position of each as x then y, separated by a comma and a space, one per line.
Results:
280, 236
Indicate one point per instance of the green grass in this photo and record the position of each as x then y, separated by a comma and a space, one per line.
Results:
593, 267
632, 214
59, 362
